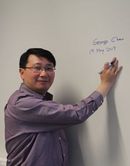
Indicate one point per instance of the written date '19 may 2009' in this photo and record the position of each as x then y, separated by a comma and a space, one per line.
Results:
105, 46
102, 50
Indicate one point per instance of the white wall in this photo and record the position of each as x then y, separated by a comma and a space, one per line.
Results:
82, 34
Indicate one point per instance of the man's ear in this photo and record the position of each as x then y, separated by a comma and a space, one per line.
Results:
21, 72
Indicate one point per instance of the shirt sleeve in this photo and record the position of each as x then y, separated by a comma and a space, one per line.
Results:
35, 110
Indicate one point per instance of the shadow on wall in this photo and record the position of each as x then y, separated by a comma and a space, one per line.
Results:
77, 135
113, 147
114, 143
69, 95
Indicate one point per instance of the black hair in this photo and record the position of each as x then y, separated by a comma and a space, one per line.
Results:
39, 52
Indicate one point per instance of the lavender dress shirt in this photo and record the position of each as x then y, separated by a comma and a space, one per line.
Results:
34, 127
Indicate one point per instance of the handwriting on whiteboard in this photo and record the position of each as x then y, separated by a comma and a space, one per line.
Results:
105, 46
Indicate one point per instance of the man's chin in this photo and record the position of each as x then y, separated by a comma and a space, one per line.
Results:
42, 89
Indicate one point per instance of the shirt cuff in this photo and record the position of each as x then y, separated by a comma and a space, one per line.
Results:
97, 97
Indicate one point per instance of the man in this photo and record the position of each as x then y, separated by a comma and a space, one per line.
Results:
34, 124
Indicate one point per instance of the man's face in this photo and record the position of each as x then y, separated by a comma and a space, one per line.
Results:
38, 81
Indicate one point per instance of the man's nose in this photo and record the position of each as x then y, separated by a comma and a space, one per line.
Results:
43, 72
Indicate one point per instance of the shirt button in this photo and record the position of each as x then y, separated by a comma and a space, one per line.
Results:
59, 138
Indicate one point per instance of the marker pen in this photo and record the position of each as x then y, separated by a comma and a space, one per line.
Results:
111, 64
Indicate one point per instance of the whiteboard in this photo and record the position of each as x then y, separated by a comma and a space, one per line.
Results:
83, 35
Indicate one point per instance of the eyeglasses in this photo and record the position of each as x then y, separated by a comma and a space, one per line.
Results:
38, 69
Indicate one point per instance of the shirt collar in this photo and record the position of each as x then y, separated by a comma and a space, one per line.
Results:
45, 96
